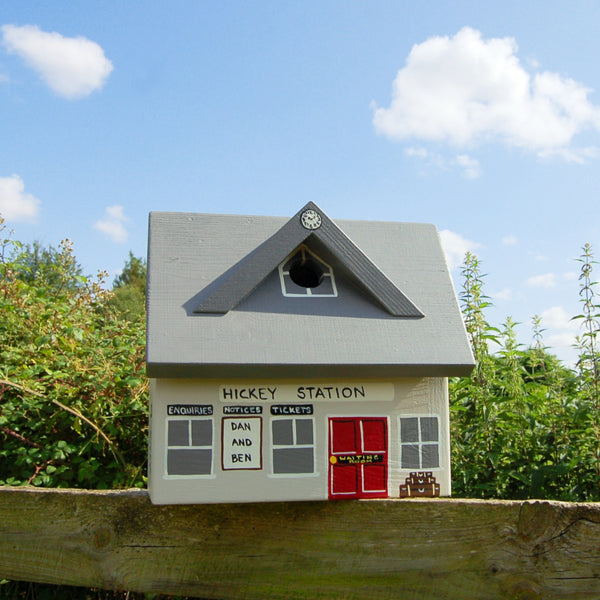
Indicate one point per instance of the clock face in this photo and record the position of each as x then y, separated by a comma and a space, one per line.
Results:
310, 219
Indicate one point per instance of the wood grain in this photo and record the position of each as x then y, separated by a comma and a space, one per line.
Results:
409, 549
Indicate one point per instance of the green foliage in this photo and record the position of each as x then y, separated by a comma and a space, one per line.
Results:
128, 302
73, 394
129, 290
50, 267
74, 397
133, 273
524, 425
588, 400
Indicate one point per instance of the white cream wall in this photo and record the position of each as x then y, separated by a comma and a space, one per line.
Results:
411, 397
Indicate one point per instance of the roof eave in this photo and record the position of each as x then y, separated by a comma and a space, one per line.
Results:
157, 370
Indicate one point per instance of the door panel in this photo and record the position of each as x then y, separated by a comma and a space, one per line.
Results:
375, 478
344, 436
344, 480
374, 435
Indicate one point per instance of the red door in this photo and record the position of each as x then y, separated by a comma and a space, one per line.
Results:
358, 457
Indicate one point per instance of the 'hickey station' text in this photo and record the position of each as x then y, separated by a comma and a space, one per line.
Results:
302, 392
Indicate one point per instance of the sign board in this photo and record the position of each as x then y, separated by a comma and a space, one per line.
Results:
319, 391
241, 443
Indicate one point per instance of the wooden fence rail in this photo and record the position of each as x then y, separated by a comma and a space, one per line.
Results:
409, 549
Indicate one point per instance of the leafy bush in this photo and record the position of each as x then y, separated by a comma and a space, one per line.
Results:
73, 393
524, 425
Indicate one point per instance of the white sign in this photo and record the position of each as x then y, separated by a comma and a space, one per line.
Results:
241, 443
303, 392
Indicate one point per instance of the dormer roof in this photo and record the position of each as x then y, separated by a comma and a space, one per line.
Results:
242, 278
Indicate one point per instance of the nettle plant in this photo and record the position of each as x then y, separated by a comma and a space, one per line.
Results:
524, 425
73, 394
587, 344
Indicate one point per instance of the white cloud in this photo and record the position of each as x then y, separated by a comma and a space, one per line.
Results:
113, 224
417, 151
547, 280
455, 247
557, 317
72, 67
570, 276
470, 165
509, 240
464, 90
560, 331
538, 256
430, 158
504, 294
15, 203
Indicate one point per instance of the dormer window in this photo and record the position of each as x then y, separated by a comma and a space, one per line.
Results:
304, 274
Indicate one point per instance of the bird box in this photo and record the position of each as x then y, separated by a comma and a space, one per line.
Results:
298, 359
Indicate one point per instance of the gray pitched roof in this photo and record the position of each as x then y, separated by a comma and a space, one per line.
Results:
215, 306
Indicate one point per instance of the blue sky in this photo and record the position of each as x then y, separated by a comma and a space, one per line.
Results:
482, 118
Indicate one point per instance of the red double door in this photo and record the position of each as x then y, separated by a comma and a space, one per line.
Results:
358, 457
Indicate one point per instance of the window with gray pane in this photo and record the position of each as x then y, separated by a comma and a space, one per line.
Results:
419, 443
189, 446
293, 445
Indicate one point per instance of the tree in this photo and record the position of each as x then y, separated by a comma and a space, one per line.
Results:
129, 290
133, 273
50, 266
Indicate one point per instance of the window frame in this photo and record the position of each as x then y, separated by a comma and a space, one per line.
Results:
293, 445
210, 447
420, 443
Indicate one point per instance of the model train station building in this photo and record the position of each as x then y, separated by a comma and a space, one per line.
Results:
299, 359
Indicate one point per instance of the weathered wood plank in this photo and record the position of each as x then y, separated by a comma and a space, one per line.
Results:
442, 549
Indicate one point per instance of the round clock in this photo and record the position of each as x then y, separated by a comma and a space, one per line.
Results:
310, 219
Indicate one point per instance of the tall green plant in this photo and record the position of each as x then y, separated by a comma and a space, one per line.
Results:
550, 389
588, 343
511, 420
588, 348
472, 422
